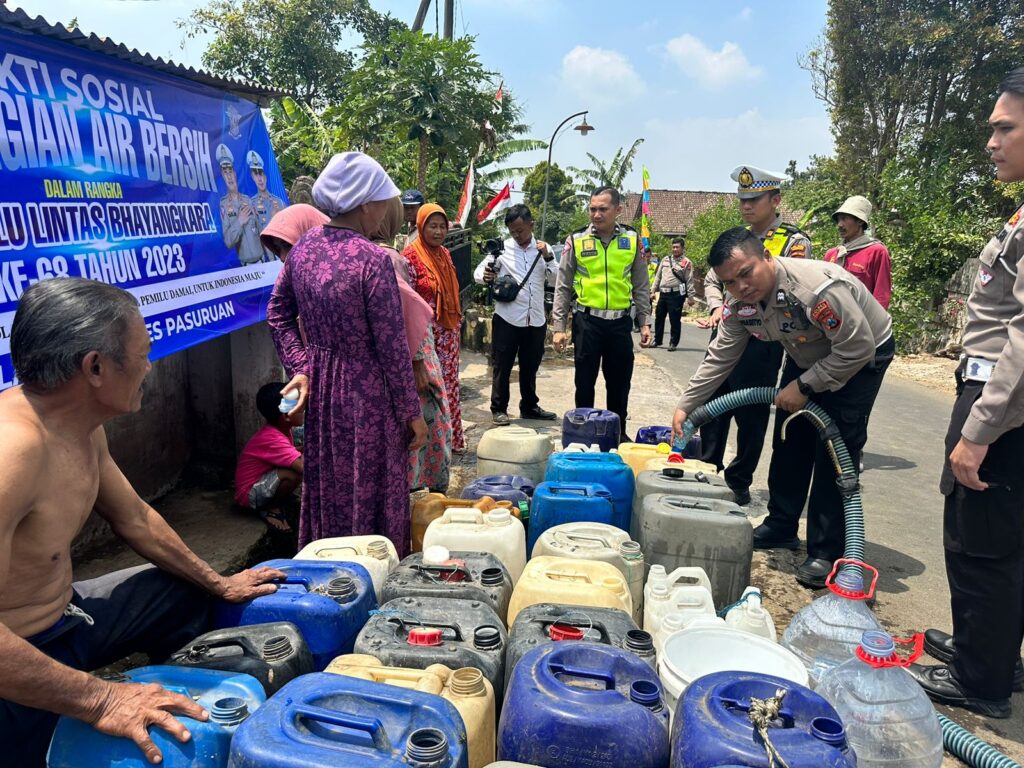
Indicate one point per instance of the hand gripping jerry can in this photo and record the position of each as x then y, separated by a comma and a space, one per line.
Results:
329, 602
712, 726
888, 717
272, 653
591, 425
463, 575
598, 541
555, 503
552, 623
607, 469
575, 704
827, 632
467, 689
513, 450
513, 488
658, 435
230, 699
416, 632
322, 720
469, 530
427, 507
684, 531
570, 582
375, 553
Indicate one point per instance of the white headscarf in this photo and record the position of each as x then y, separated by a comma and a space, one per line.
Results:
349, 180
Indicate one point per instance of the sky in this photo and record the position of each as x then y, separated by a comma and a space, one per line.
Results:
707, 85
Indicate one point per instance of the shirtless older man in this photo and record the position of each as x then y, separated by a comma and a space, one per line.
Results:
81, 351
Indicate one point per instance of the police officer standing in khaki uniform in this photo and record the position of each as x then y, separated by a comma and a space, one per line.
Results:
759, 195
671, 284
983, 477
237, 216
603, 266
838, 339
265, 204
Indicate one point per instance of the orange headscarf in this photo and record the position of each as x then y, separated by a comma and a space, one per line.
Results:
438, 263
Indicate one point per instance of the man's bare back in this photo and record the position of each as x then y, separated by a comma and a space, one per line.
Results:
62, 488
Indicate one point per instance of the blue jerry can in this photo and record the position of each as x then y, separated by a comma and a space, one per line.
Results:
607, 469
328, 601
230, 698
514, 488
589, 426
573, 704
656, 435
559, 502
333, 720
712, 728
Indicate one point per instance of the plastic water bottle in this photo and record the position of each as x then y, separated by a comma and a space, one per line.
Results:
750, 615
889, 720
288, 401
827, 632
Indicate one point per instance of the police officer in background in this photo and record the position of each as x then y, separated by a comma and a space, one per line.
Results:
412, 201
838, 339
604, 267
671, 285
265, 204
983, 476
237, 217
759, 195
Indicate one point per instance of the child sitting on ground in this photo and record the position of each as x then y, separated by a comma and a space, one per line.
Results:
270, 467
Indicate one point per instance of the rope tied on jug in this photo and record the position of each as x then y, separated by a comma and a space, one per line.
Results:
762, 713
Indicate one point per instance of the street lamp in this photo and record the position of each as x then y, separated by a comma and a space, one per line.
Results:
584, 128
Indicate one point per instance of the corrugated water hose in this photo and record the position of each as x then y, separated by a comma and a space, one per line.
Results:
956, 740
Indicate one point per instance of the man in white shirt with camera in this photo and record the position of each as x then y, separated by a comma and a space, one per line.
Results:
519, 325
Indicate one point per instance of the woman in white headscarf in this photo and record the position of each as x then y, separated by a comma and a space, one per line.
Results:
355, 372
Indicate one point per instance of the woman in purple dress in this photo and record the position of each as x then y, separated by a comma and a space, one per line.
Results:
354, 371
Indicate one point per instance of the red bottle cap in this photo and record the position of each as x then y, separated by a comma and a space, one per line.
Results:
675, 458
424, 636
560, 632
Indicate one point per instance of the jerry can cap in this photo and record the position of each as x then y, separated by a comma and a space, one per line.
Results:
428, 636
560, 632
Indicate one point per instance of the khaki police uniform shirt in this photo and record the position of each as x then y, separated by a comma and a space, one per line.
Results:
565, 293
995, 332
665, 278
244, 238
798, 247
828, 322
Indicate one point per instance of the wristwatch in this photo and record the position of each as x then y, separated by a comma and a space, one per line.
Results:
804, 387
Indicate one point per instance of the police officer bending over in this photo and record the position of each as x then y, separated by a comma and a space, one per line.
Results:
983, 522
839, 343
603, 264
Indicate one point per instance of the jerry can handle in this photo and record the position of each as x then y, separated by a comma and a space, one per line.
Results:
361, 731
404, 623
743, 705
435, 569
201, 649
557, 668
456, 515
680, 502
570, 489
843, 561
915, 643
577, 418
584, 537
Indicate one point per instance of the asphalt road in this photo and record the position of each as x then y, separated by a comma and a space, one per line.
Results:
903, 511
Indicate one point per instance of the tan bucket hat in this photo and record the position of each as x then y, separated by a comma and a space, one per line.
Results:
857, 206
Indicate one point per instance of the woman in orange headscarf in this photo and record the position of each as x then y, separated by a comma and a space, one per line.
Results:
433, 276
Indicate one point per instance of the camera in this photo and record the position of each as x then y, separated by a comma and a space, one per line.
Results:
493, 247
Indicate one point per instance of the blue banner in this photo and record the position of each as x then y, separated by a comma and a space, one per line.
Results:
146, 181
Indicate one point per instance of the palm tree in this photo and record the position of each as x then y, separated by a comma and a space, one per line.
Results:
489, 179
599, 175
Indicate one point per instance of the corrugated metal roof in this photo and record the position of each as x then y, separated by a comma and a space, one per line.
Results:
20, 21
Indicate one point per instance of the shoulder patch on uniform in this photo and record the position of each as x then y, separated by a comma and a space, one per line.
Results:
726, 312
824, 314
797, 251
1015, 218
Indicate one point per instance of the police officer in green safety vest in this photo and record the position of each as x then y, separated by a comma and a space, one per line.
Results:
603, 268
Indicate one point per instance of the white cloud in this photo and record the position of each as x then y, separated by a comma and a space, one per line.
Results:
600, 75
746, 14
711, 69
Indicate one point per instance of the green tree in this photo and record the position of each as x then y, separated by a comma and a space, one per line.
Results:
706, 228
611, 174
563, 205
435, 93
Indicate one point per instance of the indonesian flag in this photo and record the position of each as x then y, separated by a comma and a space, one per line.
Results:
498, 203
499, 96
466, 201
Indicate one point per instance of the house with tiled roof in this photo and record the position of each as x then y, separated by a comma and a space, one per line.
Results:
674, 210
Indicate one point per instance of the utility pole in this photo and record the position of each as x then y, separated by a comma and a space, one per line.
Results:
449, 17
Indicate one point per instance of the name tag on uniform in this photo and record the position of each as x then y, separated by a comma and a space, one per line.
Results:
623, 242
746, 311
589, 247
978, 369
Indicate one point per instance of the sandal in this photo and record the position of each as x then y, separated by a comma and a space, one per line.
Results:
277, 520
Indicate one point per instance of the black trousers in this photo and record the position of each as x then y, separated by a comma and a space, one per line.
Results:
983, 535
670, 304
803, 462
606, 346
758, 367
507, 342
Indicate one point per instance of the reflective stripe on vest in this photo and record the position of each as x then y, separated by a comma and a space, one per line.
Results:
776, 242
602, 278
